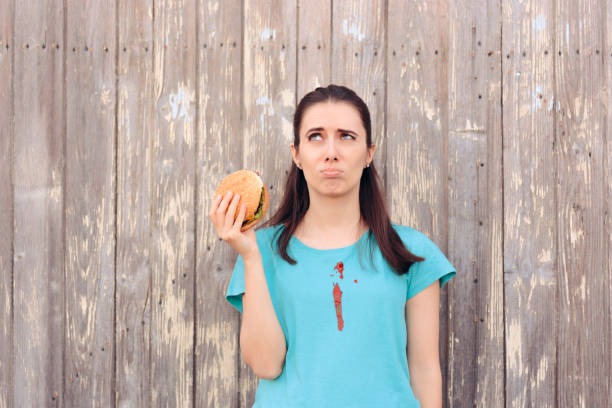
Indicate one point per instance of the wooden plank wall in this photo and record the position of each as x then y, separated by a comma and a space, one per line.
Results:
491, 122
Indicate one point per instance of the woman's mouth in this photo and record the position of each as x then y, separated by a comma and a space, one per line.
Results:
331, 172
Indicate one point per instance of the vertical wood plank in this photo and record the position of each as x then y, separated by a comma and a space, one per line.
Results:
584, 326
607, 176
358, 62
134, 137
172, 214
313, 46
38, 171
269, 104
530, 251
6, 205
475, 317
417, 121
90, 202
219, 153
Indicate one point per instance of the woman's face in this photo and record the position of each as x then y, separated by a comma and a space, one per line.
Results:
332, 136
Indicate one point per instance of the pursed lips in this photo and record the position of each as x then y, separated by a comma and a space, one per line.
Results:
331, 172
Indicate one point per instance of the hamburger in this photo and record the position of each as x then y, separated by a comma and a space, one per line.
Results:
253, 193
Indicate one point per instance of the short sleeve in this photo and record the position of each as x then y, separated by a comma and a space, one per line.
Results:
235, 288
435, 267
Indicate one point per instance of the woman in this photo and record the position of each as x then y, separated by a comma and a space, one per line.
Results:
320, 327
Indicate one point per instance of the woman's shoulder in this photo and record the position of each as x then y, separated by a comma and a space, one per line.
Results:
411, 237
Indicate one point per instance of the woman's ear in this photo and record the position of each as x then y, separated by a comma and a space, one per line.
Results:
293, 153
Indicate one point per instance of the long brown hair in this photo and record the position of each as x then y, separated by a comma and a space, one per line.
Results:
296, 199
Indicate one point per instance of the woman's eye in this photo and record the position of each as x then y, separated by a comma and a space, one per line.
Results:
344, 134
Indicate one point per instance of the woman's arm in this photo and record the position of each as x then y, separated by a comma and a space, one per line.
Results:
422, 324
262, 341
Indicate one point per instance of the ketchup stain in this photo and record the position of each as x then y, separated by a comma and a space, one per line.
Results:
338, 304
338, 296
340, 268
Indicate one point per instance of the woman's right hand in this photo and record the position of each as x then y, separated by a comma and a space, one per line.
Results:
222, 216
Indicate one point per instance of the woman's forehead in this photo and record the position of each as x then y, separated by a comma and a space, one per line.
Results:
334, 115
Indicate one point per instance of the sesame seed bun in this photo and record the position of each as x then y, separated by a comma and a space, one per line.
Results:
252, 190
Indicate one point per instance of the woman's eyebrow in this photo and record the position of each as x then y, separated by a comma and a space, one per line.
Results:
347, 131
318, 129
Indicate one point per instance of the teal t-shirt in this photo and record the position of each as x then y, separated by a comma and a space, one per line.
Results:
343, 319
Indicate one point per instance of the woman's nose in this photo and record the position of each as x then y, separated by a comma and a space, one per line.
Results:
331, 150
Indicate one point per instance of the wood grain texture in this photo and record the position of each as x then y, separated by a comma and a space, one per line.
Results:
607, 177
268, 107
135, 118
358, 62
491, 121
314, 51
7, 44
417, 91
530, 249
219, 152
173, 203
475, 315
583, 332
38, 240
89, 203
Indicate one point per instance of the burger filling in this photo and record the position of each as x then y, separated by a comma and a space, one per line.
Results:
259, 210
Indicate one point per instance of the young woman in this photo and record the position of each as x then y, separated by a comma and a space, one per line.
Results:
337, 310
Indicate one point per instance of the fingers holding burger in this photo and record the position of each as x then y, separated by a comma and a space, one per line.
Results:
252, 192
241, 202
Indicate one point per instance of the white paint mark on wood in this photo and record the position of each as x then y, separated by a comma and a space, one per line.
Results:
353, 29
536, 101
414, 85
429, 109
268, 110
545, 256
538, 23
84, 305
577, 101
223, 367
287, 129
287, 97
179, 104
105, 99
514, 346
541, 371
551, 103
581, 290
267, 103
576, 231
213, 7
268, 34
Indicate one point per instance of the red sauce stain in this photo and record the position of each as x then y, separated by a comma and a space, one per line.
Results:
338, 303
340, 268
